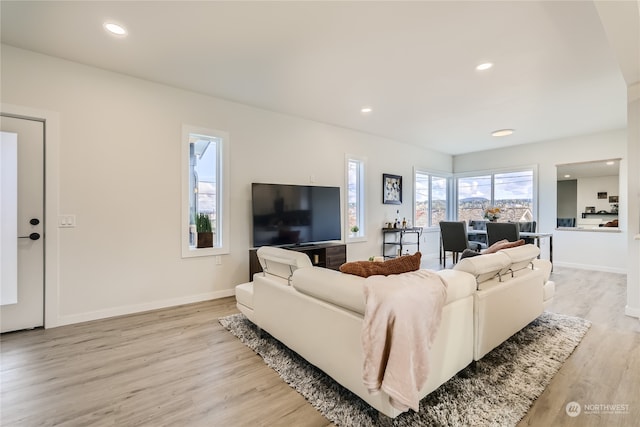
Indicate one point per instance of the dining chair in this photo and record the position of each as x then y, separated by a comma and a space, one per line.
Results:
529, 227
479, 239
497, 231
454, 239
565, 222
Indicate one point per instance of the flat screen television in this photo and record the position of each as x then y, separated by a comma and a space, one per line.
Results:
285, 215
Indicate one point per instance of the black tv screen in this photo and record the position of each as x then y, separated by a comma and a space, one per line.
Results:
294, 214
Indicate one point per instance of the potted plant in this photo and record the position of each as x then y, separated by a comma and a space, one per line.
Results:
354, 230
203, 228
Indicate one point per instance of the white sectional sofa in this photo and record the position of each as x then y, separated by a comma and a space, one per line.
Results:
319, 313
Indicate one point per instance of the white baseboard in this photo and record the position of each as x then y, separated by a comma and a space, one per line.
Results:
138, 308
591, 267
632, 312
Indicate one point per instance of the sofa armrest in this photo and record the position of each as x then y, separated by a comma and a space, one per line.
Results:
545, 266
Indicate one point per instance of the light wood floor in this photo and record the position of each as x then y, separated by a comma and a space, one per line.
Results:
179, 367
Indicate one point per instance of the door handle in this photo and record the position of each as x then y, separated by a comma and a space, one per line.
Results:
34, 221
32, 236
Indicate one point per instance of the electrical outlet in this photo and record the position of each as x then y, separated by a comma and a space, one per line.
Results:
66, 221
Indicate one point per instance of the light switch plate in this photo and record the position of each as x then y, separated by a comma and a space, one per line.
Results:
66, 221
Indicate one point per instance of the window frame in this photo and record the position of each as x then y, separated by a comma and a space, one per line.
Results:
361, 215
492, 173
222, 192
448, 202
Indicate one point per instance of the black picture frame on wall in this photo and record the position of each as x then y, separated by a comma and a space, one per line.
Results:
391, 189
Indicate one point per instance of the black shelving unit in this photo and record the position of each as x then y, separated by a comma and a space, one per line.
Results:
399, 242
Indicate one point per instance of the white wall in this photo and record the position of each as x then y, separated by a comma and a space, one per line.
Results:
633, 175
588, 189
118, 158
580, 249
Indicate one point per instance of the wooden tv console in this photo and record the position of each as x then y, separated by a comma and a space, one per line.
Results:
327, 255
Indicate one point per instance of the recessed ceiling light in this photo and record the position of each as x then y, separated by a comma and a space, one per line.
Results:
484, 66
502, 132
366, 110
116, 29
610, 162
567, 176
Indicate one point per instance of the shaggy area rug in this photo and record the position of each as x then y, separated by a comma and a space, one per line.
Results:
498, 390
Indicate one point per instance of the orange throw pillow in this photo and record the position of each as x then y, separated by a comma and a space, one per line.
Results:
503, 244
398, 265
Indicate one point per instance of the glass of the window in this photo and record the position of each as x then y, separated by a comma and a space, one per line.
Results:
513, 194
474, 196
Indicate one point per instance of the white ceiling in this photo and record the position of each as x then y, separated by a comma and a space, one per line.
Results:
600, 168
412, 62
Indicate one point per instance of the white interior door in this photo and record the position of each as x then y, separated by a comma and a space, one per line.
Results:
23, 228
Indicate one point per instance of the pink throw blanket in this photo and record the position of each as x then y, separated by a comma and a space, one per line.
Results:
402, 316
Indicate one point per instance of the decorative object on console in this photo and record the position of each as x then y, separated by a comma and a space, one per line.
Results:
613, 201
496, 390
203, 228
391, 189
402, 264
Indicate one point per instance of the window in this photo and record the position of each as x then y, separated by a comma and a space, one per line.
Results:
205, 195
355, 220
512, 192
431, 199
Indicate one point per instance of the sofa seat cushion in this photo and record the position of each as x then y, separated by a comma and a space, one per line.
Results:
244, 300
402, 264
484, 267
244, 294
343, 290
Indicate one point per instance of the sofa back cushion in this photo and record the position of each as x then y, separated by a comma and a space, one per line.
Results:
347, 290
281, 262
343, 290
